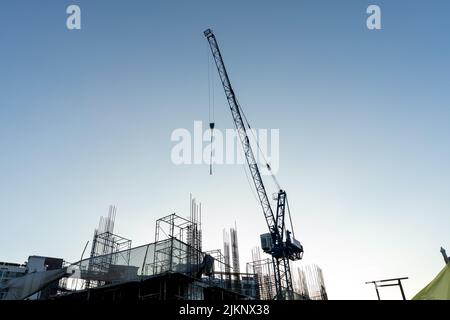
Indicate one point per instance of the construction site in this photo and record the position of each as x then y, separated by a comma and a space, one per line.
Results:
173, 267
176, 264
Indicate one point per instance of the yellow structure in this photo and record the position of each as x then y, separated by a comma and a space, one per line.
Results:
438, 289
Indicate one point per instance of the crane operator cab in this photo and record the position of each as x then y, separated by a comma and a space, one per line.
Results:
291, 248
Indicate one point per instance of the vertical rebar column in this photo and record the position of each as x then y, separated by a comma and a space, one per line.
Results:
226, 253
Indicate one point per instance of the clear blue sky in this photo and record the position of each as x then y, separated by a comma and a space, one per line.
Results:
86, 118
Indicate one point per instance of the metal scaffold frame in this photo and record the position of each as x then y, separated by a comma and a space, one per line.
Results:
105, 248
266, 279
185, 230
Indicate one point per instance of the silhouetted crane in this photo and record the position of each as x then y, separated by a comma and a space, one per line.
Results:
278, 242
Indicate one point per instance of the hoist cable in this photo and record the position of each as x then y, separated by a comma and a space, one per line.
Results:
211, 101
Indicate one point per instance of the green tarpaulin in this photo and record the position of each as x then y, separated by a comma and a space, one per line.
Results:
438, 289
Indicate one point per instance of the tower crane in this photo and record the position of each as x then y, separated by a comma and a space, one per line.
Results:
279, 242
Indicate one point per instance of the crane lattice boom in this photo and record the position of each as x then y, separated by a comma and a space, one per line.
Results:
278, 241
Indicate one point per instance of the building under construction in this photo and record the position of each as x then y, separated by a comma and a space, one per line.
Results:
173, 267
308, 280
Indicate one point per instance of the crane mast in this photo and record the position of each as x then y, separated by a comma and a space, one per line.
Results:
277, 242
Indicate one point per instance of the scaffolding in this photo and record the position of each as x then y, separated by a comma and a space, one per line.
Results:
104, 246
185, 230
176, 253
172, 258
265, 277
219, 260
